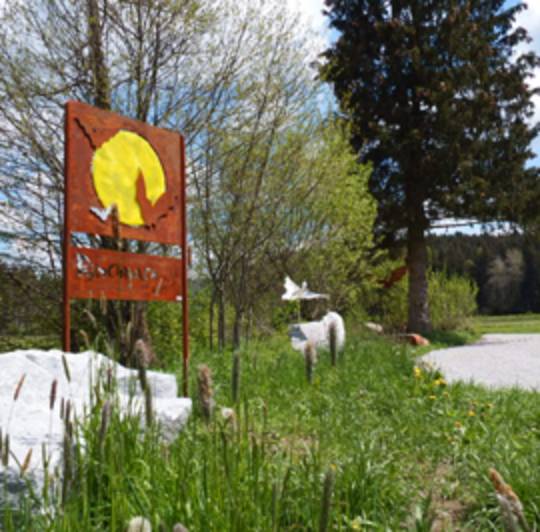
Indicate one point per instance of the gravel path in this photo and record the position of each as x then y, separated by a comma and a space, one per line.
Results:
496, 361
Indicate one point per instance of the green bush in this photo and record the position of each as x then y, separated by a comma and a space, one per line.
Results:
165, 323
452, 301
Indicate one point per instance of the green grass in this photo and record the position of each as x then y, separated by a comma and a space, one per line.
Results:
402, 446
516, 323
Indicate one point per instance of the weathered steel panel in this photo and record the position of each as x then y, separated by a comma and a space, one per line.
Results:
108, 274
89, 130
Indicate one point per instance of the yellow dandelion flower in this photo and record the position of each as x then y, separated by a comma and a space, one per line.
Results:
433, 397
417, 372
356, 524
471, 413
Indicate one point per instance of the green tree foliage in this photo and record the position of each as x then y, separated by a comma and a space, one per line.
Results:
438, 97
301, 207
339, 258
452, 301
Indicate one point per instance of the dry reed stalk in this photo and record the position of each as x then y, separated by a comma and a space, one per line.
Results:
103, 305
141, 353
105, 419
85, 338
109, 379
66, 367
91, 317
18, 387
148, 408
52, 396
206, 392
5, 451
310, 359
509, 502
332, 341
26, 462
326, 501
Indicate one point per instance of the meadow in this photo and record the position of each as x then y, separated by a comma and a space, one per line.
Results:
375, 443
507, 324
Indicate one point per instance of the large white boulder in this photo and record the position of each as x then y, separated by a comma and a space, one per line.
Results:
30, 422
318, 332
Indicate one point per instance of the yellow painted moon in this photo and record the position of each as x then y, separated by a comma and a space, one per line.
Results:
116, 166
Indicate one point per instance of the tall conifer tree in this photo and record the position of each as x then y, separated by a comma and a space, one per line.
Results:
439, 101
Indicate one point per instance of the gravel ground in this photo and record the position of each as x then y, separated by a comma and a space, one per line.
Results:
496, 361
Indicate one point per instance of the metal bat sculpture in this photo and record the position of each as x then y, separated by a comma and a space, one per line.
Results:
293, 292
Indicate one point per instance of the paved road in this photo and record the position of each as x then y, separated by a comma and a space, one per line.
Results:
496, 361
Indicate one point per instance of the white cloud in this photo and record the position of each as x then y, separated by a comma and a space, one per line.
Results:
530, 20
312, 16
311, 11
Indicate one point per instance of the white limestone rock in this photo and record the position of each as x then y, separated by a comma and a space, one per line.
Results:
30, 422
318, 333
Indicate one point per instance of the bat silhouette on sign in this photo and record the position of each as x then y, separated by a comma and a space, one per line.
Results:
151, 213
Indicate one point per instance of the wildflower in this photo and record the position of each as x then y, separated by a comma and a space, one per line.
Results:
139, 524
433, 397
417, 372
439, 382
227, 413
356, 524
446, 394
471, 413
458, 425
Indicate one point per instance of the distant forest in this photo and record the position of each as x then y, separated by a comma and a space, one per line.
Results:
505, 268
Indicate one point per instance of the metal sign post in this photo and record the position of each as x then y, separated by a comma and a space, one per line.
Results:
127, 180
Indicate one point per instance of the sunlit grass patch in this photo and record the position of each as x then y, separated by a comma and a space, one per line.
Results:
401, 447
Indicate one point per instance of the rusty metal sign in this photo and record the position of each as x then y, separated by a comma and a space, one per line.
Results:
124, 179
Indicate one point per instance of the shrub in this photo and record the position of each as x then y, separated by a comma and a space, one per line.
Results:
452, 301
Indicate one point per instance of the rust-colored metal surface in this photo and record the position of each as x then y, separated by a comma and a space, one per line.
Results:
103, 273
123, 179
88, 129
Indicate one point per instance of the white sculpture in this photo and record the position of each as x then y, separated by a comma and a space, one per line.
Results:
33, 419
293, 292
318, 332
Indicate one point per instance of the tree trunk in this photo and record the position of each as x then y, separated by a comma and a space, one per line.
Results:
221, 321
237, 328
418, 318
211, 321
